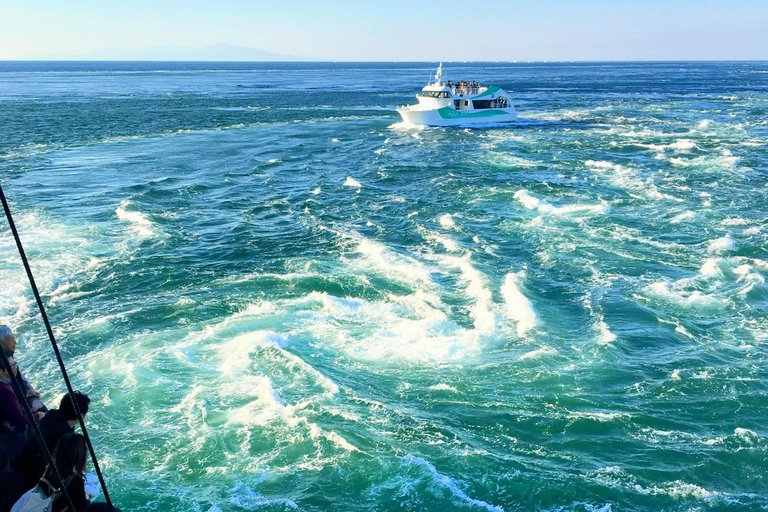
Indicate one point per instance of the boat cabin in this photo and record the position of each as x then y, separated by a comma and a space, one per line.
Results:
461, 96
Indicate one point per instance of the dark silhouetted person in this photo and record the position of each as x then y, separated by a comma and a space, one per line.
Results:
29, 465
8, 343
69, 459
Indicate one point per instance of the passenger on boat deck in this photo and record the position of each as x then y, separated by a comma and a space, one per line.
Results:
12, 418
70, 457
8, 343
57, 423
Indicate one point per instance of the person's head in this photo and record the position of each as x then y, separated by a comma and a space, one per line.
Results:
70, 455
67, 409
7, 339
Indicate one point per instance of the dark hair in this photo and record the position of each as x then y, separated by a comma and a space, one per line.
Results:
67, 410
70, 452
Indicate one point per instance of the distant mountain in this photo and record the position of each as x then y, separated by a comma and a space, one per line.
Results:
219, 52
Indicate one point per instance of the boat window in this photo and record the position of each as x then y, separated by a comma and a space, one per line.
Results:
478, 104
435, 94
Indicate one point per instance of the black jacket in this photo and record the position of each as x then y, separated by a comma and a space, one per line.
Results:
30, 463
76, 491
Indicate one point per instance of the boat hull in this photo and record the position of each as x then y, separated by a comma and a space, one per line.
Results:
448, 116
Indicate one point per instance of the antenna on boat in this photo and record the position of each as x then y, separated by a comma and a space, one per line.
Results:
439, 74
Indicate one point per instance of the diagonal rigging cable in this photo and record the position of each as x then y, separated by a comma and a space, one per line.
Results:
55, 346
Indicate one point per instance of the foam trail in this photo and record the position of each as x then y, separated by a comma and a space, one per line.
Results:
484, 318
519, 308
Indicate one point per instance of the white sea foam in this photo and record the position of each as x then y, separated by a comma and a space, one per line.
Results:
726, 161
711, 268
352, 182
533, 354
746, 436
602, 417
443, 387
449, 483
534, 203
139, 222
602, 165
679, 489
626, 178
449, 244
606, 336
722, 245
507, 160
447, 222
406, 329
391, 264
519, 308
267, 406
530, 202
686, 216
481, 311
682, 145
682, 296
237, 351
244, 497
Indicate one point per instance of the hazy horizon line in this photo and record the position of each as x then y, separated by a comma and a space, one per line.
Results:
330, 61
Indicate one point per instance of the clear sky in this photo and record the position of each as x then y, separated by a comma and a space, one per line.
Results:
398, 30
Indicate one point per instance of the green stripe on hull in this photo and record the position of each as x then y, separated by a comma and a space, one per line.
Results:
451, 113
490, 91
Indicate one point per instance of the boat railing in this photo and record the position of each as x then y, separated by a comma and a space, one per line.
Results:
467, 91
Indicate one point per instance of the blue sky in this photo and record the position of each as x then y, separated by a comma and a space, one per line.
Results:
416, 30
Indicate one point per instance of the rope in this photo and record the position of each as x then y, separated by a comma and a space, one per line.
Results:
19, 390
55, 346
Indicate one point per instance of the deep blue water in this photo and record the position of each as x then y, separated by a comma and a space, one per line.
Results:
280, 297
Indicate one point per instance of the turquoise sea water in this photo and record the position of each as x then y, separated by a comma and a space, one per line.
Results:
281, 298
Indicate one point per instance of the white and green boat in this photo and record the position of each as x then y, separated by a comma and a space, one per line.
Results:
461, 103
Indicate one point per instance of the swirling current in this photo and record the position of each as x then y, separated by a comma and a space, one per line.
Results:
279, 297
